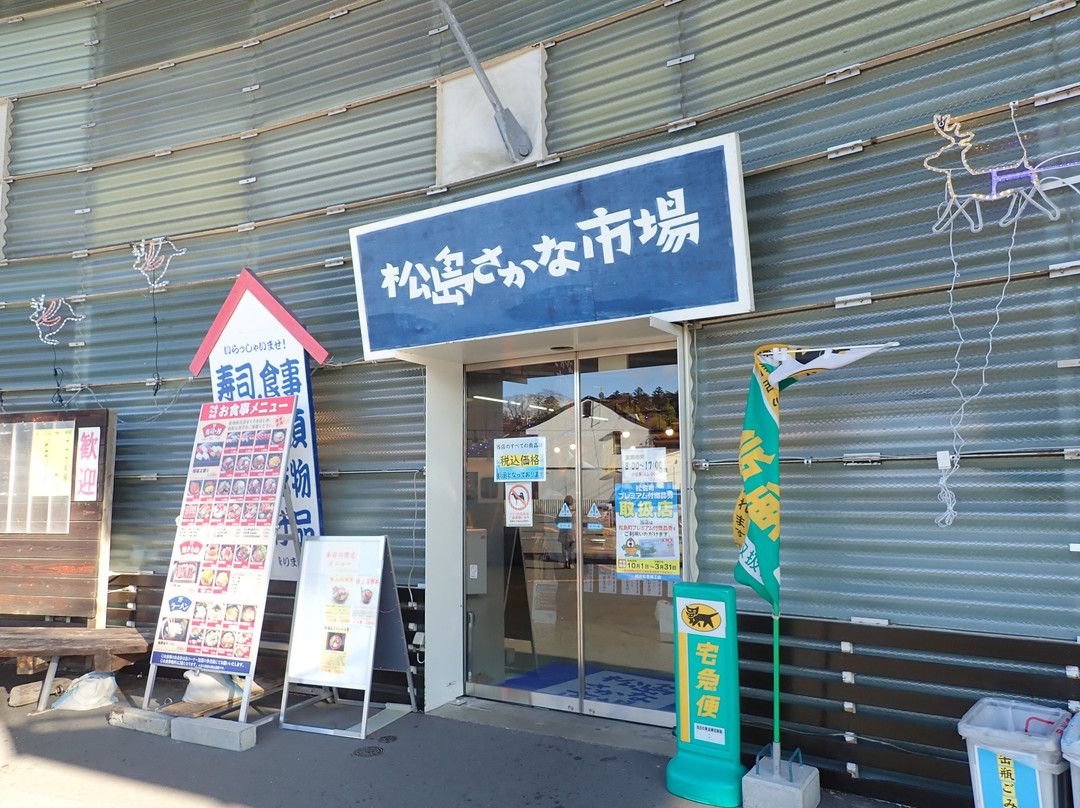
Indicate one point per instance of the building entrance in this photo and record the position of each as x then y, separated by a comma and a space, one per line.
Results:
553, 618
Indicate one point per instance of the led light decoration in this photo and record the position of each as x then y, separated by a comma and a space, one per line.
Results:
1018, 182
1023, 184
50, 317
152, 259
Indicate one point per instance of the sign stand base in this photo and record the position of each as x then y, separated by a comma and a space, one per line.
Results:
389, 651
368, 725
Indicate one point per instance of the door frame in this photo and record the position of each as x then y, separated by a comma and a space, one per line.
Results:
580, 704
443, 595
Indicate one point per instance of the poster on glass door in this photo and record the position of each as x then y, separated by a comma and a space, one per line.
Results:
647, 531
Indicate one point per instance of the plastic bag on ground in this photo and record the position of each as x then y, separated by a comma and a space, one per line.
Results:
88, 692
205, 687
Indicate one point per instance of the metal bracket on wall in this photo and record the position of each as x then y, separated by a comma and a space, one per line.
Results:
862, 459
517, 141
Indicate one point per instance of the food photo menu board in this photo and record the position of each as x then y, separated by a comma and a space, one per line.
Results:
215, 593
337, 612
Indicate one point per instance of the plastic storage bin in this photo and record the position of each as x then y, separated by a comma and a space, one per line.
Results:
1014, 750
1070, 748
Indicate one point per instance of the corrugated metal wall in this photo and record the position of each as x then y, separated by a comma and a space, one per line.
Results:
827, 228
145, 118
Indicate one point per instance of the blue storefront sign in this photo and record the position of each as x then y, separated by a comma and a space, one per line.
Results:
662, 234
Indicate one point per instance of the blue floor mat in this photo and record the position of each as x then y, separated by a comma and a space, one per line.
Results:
607, 686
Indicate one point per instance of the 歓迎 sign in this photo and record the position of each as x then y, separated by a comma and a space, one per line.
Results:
661, 234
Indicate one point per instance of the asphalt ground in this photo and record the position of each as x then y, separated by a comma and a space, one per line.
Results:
471, 754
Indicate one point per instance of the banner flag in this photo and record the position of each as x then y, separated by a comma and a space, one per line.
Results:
756, 522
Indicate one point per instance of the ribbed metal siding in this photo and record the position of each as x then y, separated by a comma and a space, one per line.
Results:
46, 51
861, 541
613, 80
977, 74
382, 148
745, 49
605, 83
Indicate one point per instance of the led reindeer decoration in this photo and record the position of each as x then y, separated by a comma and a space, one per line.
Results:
967, 188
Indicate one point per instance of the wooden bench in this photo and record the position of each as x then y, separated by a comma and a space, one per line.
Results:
54, 549
111, 648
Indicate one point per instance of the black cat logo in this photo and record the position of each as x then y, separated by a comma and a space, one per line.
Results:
700, 617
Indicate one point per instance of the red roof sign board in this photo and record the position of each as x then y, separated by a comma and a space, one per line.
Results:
248, 283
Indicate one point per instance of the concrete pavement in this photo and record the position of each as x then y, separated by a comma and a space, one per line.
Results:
471, 754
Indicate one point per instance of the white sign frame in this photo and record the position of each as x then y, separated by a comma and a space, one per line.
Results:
219, 426
323, 612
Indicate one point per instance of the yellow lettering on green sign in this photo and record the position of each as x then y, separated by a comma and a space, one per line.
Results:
707, 651
707, 679
751, 455
763, 506
708, 706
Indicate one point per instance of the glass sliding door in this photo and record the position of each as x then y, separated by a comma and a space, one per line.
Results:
569, 567
631, 479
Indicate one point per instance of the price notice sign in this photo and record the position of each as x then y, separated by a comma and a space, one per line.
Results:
215, 593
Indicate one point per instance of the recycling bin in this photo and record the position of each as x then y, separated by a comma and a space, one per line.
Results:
1014, 751
1070, 749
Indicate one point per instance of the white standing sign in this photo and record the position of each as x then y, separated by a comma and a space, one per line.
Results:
214, 597
257, 349
337, 612
346, 624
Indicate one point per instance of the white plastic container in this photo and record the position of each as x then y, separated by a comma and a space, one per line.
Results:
1070, 749
1014, 750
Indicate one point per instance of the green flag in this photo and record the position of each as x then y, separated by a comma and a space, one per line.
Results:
756, 522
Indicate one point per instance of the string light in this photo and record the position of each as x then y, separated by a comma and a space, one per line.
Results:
968, 205
152, 259
51, 316
1030, 191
